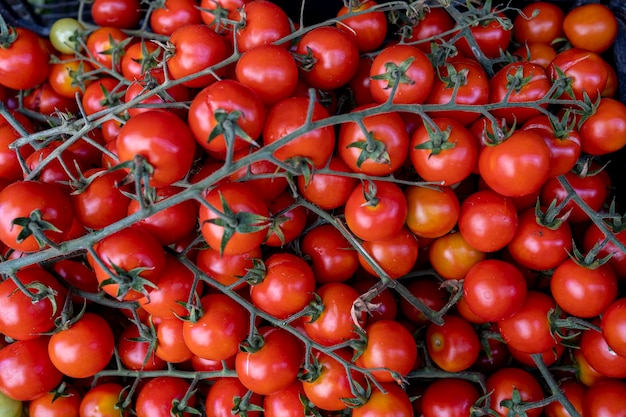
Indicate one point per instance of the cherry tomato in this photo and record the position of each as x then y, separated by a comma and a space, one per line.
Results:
330, 253
222, 396
539, 22
287, 402
574, 391
171, 345
396, 256
227, 269
368, 28
107, 44
392, 402
265, 23
171, 391
334, 324
600, 356
613, 320
453, 346
491, 38
328, 190
451, 256
605, 130
62, 34
24, 63
289, 219
591, 26
431, 212
502, 383
437, 401
173, 15
429, 292
585, 71
47, 405
137, 353
122, 14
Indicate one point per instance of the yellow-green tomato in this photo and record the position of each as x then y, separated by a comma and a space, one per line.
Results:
10, 407
63, 35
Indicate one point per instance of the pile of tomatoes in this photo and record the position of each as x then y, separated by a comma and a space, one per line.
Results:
216, 207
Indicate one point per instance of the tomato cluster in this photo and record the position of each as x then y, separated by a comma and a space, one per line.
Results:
216, 207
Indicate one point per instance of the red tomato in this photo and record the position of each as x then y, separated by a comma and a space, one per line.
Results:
64, 76
392, 402
48, 405
333, 55
379, 150
502, 383
171, 345
289, 220
140, 58
168, 402
331, 256
328, 190
437, 401
517, 166
24, 63
539, 22
334, 323
237, 221
600, 356
220, 400
429, 292
415, 79
537, 53
265, 23
431, 212
107, 45
451, 256
173, 15
593, 236
429, 26
453, 346
604, 399
396, 255
584, 72
263, 175
494, 289
122, 14
143, 86
227, 269
605, 130
445, 153
33, 202
287, 287
613, 321
574, 391
487, 220
26, 371
102, 401
391, 346
213, 11
529, 330
10, 168
90, 335
287, 402
491, 38
273, 364
217, 333
591, 26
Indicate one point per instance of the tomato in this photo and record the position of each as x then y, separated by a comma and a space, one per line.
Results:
234, 203
171, 345
287, 287
219, 105
379, 150
537, 53
333, 56
376, 210
227, 269
66, 77
603, 399
10, 168
173, 15
287, 402
107, 44
600, 356
327, 385
431, 212
143, 85
490, 36
517, 166
196, 48
494, 289
396, 255
331, 256
44, 204
328, 190
487, 220
170, 224
78, 275
62, 170
270, 364
518, 82
102, 94
605, 130
454, 345
414, 82
175, 286
437, 401
334, 323
594, 236
591, 27
270, 70
140, 58
392, 402
217, 333
574, 391
262, 175
539, 22
163, 140
429, 292
502, 383
62, 34
130, 263
529, 329
102, 401
613, 321
445, 153
289, 219
102, 201
585, 373
465, 81
171, 391
584, 71
451, 256
222, 396
23, 62
48, 405
263, 23
90, 335
385, 306
137, 353
391, 346
122, 14
26, 371
369, 28
213, 11
537, 246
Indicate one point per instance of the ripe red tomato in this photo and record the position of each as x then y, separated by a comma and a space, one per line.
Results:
437, 400
451, 256
453, 346
416, 78
376, 210
48, 405
431, 212
171, 345
217, 333
121, 14
491, 37
328, 190
429, 292
445, 153
288, 402
173, 15
494, 289
10, 168
227, 269
429, 25
591, 26
287, 287
263, 175
517, 166
273, 364
392, 402
528, 330
574, 391
142, 86
26, 371
537, 53
289, 219
90, 335
44, 204
107, 45
396, 256
24, 64
593, 236
487, 220
502, 383
368, 28
213, 11
538, 22
220, 400
237, 221
613, 320
600, 356
171, 391
63, 76
585, 71
605, 130
334, 324
265, 23
331, 256
141, 58
102, 401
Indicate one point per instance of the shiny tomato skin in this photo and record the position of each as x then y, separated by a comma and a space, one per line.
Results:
25, 63
328, 191
600, 356
173, 15
368, 28
227, 269
170, 391
431, 212
494, 289
220, 399
47, 405
396, 255
334, 324
121, 14
437, 401
594, 235
613, 324
331, 256
574, 391
265, 23
591, 26
287, 402
586, 70
102, 41
102, 401
605, 130
491, 37
604, 399
429, 26
392, 402
451, 256
539, 22
171, 345
501, 385
453, 346
137, 354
